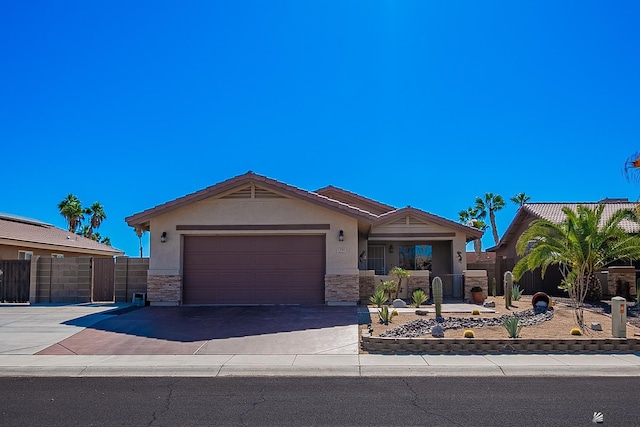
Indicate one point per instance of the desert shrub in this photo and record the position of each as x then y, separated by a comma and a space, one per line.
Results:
469, 334
576, 331
475, 312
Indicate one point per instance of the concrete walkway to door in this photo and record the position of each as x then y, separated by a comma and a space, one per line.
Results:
218, 330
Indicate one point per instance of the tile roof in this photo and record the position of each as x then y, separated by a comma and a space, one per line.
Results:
553, 212
354, 199
31, 231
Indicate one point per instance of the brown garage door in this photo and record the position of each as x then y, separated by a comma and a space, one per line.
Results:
253, 269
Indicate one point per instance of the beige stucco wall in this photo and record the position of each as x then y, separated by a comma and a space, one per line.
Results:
341, 257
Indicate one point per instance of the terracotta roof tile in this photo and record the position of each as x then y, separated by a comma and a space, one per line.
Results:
28, 230
553, 212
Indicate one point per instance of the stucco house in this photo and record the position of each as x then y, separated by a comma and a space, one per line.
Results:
255, 240
531, 282
23, 238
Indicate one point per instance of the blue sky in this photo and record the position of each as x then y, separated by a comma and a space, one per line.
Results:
418, 103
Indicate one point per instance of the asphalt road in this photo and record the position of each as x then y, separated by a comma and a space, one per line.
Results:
435, 401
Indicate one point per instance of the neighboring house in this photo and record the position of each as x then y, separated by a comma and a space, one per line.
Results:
22, 238
533, 281
255, 240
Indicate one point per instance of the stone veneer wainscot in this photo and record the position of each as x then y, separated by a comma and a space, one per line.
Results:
341, 288
164, 290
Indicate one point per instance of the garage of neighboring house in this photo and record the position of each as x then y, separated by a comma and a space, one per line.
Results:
254, 269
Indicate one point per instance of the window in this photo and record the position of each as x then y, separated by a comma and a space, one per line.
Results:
375, 259
25, 254
415, 257
57, 256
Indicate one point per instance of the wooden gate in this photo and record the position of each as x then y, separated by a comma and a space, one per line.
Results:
103, 288
15, 280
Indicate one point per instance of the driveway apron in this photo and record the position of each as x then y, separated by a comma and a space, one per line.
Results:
219, 330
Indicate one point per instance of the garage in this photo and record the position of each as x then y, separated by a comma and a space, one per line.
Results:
254, 269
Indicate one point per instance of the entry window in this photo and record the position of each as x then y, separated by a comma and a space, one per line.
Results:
57, 255
375, 259
25, 254
415, 257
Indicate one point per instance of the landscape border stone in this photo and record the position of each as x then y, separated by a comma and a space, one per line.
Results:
384, 345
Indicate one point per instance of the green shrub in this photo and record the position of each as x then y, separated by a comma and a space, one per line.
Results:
512, 326
516, 292
388, 287
475, 312
419, 297
385, 315
379, 298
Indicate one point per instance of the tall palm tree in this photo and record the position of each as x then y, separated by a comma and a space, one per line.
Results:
631, 168
491, 204
97, 215
474, 218
520, 199
71, 209
139, 232
580, 246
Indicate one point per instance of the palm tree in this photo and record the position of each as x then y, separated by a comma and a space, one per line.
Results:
86, 231
71, 209
491, 204
474, 218
520, 199
580, 246
97, 215
139, 232
632, 168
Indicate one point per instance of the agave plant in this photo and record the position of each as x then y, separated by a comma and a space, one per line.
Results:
385, 315
378, 298
419, 297
512, 326
516, 292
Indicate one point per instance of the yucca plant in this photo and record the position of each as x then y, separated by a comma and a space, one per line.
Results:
516, 292
419, 297
385, 315
378, 298
512, 326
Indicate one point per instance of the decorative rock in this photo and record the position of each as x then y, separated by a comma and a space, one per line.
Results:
596, 326
437, 331
490, 304
422, 312
398, 303
540, 307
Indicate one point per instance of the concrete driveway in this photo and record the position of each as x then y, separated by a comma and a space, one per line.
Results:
185, 330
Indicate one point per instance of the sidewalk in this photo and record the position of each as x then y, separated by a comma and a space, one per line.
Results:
363, 365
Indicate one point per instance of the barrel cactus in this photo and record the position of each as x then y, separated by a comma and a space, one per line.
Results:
437, 295
508, 287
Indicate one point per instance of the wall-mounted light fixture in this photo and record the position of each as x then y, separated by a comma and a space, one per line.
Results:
459, 256
163, 238
341, 236
390, 249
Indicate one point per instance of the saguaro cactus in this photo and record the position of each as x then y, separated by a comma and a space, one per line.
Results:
437, 295
508, 287
494, 285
